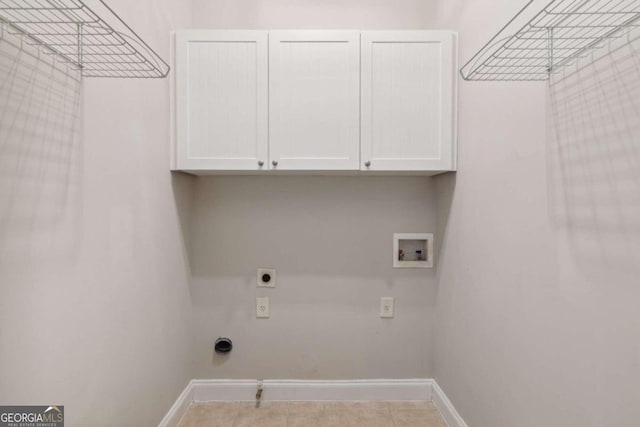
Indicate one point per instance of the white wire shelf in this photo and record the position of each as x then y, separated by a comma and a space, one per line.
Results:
73, 30
557, 35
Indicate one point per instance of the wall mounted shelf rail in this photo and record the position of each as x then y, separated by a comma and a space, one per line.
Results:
557, 35
87, 34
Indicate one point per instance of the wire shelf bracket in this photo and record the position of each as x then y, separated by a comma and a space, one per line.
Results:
87, 34
556, 36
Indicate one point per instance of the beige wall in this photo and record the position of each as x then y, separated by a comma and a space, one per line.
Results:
330, 239
94, 302
314, 14
538, 276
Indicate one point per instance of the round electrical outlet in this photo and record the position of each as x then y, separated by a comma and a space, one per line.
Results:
266, 278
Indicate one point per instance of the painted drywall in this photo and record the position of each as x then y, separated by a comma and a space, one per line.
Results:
94, 302
314, 14
330, 240
538, 294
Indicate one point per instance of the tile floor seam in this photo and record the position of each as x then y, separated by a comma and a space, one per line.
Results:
393, 420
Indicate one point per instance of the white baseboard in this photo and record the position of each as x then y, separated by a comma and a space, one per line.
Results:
302, 390
446, 408
179, 407
292, 390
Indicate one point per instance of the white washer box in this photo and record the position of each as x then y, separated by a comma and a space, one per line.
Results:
412, 250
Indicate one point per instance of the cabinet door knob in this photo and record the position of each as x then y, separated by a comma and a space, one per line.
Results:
260, 163
274, 163
367, 163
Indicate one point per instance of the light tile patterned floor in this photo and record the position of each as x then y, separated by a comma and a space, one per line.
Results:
313, 414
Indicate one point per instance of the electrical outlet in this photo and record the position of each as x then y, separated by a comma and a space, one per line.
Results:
262, 307
386, 307
266, 278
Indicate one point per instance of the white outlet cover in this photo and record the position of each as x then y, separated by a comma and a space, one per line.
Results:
386, 307
271, 283
262, 307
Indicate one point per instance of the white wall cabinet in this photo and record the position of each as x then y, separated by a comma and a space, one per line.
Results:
327, 101
314, 97
408, 93
221, 100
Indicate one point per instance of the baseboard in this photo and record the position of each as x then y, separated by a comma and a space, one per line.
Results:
179, 408
303, 390
446, 408
212, 390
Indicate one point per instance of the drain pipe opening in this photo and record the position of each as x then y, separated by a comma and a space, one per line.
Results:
223, 345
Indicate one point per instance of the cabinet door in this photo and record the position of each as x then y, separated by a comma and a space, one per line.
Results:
314, 100
408, 101
221, 100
